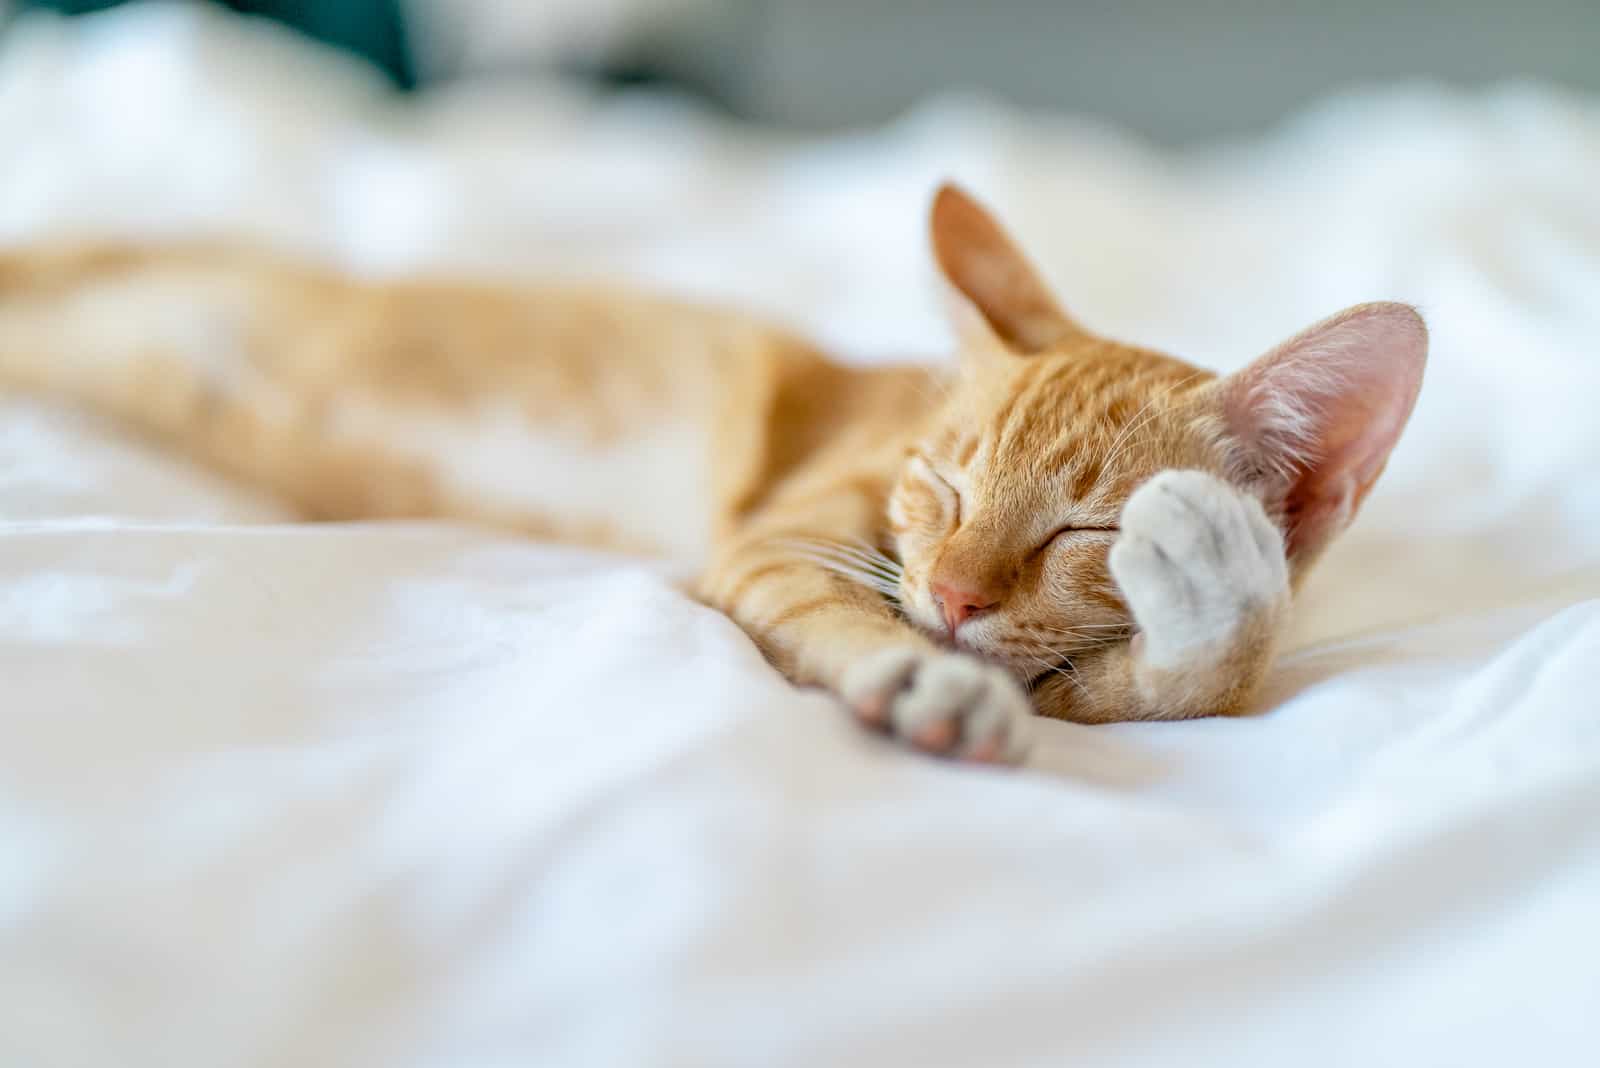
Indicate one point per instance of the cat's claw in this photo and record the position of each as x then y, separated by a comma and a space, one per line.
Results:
942, 702
1197, 561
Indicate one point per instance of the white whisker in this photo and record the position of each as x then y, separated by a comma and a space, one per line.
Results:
859, 565
1086, 631
1065, 672
1145, 415
863, 555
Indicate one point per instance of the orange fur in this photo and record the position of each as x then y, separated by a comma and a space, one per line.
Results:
824, 505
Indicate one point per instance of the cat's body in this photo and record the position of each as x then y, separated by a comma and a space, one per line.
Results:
581, 414
935, 547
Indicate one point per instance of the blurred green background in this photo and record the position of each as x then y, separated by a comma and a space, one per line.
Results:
372, 28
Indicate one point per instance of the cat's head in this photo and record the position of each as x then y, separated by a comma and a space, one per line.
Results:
1004, 514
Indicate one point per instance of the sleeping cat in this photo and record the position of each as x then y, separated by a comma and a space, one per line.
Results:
1062, 524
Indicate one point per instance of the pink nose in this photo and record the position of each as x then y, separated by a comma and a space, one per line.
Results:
959, 605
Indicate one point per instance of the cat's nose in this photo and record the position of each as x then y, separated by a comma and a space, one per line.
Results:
959, 605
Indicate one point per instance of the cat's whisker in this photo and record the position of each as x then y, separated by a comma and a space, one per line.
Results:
849, 564
1082, 626
1046, 665
1076, 632
845, 564
858, 559
870, 562
1075, 648
871, 551
878, 578
1055, 653
886, 590
1106, 633
1065, 672
868, 547
1146, 414
1114, 450
855, 544
828, 544
1062, 645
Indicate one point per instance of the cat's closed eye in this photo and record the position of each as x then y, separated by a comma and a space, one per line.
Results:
1070, 530
944, 489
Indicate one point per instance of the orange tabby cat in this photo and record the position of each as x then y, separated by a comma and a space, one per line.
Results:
1064, 524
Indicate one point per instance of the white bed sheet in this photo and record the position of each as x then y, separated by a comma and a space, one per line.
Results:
418, 795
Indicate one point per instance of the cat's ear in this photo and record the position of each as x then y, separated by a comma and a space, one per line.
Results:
1318, 416
996, 288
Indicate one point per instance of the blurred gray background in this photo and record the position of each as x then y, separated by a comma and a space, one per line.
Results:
1172, 70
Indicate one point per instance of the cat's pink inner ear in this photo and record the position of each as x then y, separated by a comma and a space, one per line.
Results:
992, 276
1321, 413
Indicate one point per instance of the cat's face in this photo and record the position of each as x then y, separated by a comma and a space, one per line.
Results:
1003, 516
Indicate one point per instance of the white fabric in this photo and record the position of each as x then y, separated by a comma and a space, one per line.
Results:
417, 795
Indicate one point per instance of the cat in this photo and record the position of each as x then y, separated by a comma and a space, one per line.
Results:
1060, 523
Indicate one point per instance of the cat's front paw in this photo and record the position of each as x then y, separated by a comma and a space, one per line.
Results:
1201, 566
942, 702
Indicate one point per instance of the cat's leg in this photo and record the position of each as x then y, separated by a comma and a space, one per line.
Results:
1203, 570
823, 629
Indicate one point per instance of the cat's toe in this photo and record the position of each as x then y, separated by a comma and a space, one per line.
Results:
998, 725
938, 736
872, 684
943, 703
1196, 558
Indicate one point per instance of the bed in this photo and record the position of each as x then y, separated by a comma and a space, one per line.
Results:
418, 794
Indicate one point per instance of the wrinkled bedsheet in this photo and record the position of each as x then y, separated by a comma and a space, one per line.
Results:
412, 794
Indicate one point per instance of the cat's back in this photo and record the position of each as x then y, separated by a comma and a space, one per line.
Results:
594, 413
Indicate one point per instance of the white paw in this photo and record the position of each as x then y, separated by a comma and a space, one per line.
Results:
1197, 560
942, 702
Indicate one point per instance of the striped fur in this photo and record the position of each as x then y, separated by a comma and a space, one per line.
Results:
822, 505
